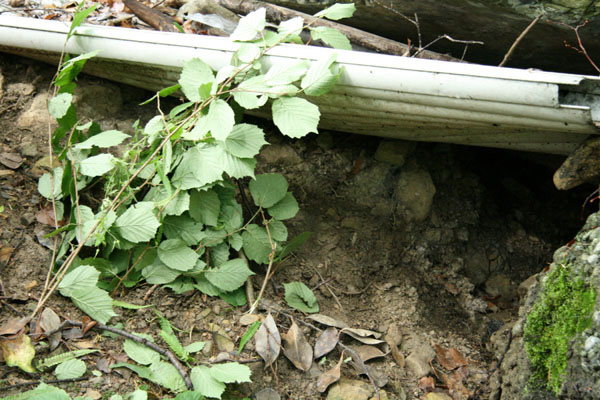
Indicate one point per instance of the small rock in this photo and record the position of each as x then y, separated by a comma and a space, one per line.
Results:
20, 89
207, 350
524, 286
582, 165
414, 194
437, 396
248, 319
394, 151
348, 389
93, 394
267, 394
351, 223
418, 365
477, 266
27, 219
280, 154
98, 101
43, 165
500, 286
29, 150
325, 140
36, 116
222, 340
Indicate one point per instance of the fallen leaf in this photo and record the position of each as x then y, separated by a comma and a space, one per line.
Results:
325, 320
50, 321
13, 326
87, 323
296, 348
11, 160
6, 172
18, 352
222, 339
5, 253
326, 342
103, 364
393, 338
87, 344
398, 356
29, 285
367, 353
73, 333
248, 319
330, 376
426, 384
46, 216
450, 359
454, 382
267, 340
362, 335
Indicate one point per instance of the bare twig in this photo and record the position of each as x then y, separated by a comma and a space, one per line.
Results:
269, 267
581, 48
451, 39
518, 40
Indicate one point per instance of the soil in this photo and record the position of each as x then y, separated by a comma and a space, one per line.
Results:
449, 278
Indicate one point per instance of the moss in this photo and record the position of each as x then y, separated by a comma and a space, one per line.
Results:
563, 311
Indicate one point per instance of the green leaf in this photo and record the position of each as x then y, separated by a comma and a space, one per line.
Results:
183, 227
201, 165
250, 93
158, 273
169, 90
129, 306
194, 347
205, 206
278, 231
237, 167
181, 285
337, 11
268, 189
320, 79
154, 127
245, 141
247, 52
219, 254
292, 28
220, 119
49, 185
138, 223
97, 165
230, 372
167, 376
232, 217
95, 302
249, 334
300, 297
285, 208
256, 244
331, 36
294, 244
196, 80
71, 69
178, 205
230, 275
189, 395
177, 255
42, 392
70, 369
62, 357
143, 372
206, 287
205, 383
82, 277
78, 19
103, 139
235, 241
282, 74
58, 105
139, 352
249, 26
295, 117
237, 298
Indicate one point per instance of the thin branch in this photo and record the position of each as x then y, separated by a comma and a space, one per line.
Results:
451, 39
518, 40
269, 267
581, 48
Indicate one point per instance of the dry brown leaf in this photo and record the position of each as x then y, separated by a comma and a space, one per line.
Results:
296, 348
325, 320
398, 356
454, 382
13, 326
367, 353
5, 253
87, 323
330, 376
87, 344
11, 160
46, 216
6, 172
73, 333
267, 340
326, 342
426, 384
362, 335
50, 321
450, 359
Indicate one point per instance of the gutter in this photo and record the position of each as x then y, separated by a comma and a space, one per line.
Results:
388, 96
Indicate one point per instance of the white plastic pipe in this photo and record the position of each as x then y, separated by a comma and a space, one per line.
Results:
402, 97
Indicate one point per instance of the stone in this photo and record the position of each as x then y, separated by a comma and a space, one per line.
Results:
394, 151
97, 101
437, 396
279, 154
581, 166
414, 194
524, 286
500, 286
20, 89
267, 394
477, 266
369, 185
36, 116
28, 149
349, 389
418, 365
